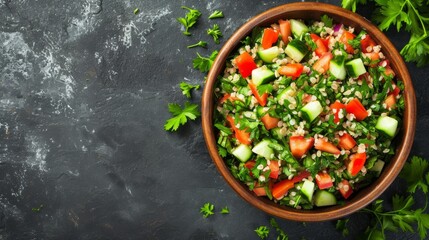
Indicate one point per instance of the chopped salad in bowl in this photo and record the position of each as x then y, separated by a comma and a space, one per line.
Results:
307, 112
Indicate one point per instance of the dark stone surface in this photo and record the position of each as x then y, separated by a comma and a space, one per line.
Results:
83, 98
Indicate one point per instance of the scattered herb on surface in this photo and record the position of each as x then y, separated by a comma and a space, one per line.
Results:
262, 231
342, 226
136, 11
402, 216
207, 210
410, 15
181, 116
215, 33
216, 14
37, 209
204, 63
189, 20
281, 235
202, 44
224, 210
187, 88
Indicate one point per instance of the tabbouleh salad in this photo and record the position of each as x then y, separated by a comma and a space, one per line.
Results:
307, 112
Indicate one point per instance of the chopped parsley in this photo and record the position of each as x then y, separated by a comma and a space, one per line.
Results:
187, 88
189, 20
202, 44
207, 210
215, 33
181, 116
216, 14
204, 63
262, 232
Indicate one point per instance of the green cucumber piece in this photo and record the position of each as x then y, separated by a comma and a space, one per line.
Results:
262, 76
263, 149
355, 67
387, 125
324, 198
296, 50
242, 152
308, 189
337, 68
267, 55
285, 93
277, 133
298, 28
378, 166
311, 111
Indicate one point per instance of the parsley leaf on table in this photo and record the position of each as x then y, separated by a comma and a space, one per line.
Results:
215, 33
202, 44
190, 19
224, 210
216, 14
413, 172
187, 88
281, 235
181, 116
207, 210
262, 231
204, 63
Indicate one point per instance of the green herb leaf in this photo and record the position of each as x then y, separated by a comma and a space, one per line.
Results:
189, 20
215, 33
207, 210
181, 116
202, 44
216, 14
187, 88
327, 20
262, 232
37, 209
224, 210
413, 172
342, 226
281, 235
204, 63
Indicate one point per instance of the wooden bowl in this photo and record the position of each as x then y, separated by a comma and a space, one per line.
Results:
306, 10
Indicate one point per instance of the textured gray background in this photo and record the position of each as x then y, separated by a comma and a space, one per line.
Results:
83, 98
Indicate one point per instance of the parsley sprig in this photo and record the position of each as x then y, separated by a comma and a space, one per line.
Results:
204, 63
215, 33
216, 14
410, 15
262, 231
181, 116
190, 19
202, 44
187, 88
207, 210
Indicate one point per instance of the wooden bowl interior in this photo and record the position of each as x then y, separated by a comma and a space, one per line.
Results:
313, 11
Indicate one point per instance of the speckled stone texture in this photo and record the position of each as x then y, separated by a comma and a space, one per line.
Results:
83, 98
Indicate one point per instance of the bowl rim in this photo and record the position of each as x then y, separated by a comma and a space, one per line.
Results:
364, 196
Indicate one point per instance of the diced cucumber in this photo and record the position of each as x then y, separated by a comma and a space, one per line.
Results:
355, 67
267, 55
308, 189
263, 149
298, 28
311, 111
262, 75
285, 93
250, 114
378, 166
387, 125
296, 50
337, 69
242, 152
324, 198
277, 133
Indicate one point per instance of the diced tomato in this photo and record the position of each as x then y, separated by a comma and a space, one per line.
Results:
301, 176
269, 122
274, 169
373, 56
395, 90
262, 100
240, 134
228, 96
306, 98
356, 162
291, 70
322, 65
325, 42
346, 141
356, 107
388, 70
336, 107
321, 47
323, 180
250, 164
260, 190
366, 42
285, 30
390, 101
326, 146
281, 188
300, 145
269, 37
345, 189
245, 64
344, 39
